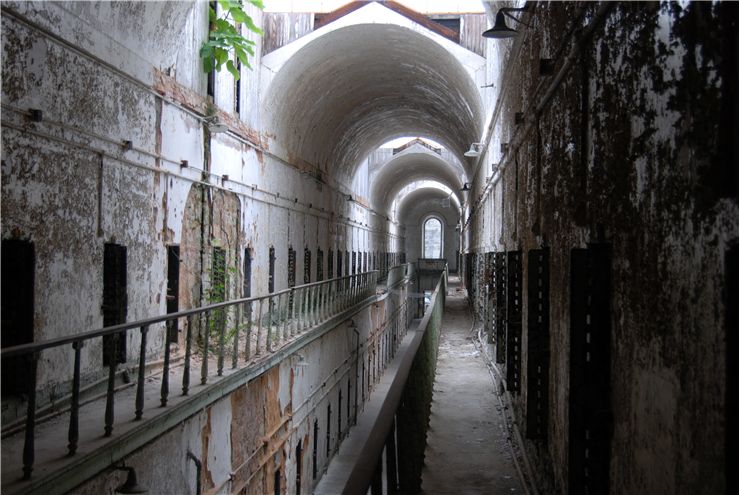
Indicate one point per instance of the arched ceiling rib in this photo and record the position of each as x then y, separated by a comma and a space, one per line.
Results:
410, 167
422, 195
349, 90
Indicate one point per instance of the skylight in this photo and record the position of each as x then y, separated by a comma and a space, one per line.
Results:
397, 143
421, 6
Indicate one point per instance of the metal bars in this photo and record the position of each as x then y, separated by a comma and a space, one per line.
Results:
590, 416
513, 320
490, 292
499, 317
538, 342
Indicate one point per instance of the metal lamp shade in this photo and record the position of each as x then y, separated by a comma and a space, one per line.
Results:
500, 29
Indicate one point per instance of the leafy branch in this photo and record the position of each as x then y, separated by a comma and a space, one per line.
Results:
224, 40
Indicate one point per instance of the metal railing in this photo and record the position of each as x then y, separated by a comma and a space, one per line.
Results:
253, 327
366, 469
432, 264
398, 274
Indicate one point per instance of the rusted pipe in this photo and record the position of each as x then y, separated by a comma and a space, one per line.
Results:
198, 469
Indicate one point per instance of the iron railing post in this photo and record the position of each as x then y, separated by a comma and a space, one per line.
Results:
29, 447
109, 399
74, 410
221, 323
165, 390
285, 312
206, 338
257, 351
237, 325
270, 306
188, 351
142, 373
248, 345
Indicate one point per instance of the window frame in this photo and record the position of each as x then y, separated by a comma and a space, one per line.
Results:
426, 220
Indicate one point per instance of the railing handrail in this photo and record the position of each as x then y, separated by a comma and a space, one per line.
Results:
358, 476
271, 320
407, 272
34, 347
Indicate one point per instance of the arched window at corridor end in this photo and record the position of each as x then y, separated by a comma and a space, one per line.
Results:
432, 241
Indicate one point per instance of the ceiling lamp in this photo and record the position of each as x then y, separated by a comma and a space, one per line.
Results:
131, 485
474, 150
500, 30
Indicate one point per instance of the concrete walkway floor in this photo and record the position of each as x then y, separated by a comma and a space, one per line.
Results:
467, 448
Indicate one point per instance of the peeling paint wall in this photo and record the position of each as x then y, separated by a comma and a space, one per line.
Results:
283, 28
67, 188
632, 148
70, 184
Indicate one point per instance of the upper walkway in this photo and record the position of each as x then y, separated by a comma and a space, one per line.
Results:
60, 447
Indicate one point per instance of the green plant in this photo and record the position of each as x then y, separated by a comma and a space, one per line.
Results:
222, 278
224, 39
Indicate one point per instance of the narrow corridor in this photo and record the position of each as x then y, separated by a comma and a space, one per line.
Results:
467, 450
221, 220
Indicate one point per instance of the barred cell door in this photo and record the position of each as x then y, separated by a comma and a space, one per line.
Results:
499, 318
590, 409
306, 266
291, 275
173, 290
538, 342
513, 320
18, 269
115, 300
